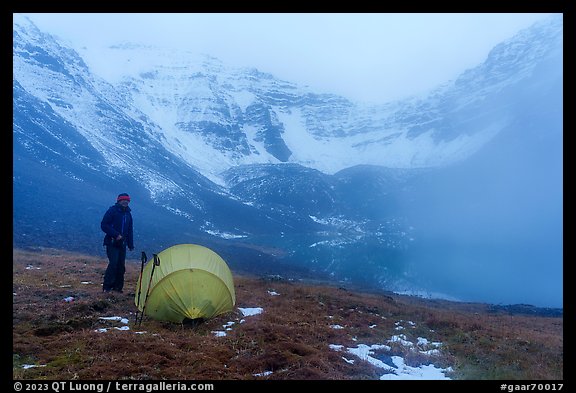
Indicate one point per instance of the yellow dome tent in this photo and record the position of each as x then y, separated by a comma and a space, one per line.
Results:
190, 281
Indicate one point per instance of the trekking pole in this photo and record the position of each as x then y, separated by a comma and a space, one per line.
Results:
143, 258
156, 263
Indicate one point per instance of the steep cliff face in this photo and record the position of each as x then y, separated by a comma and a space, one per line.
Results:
214, 153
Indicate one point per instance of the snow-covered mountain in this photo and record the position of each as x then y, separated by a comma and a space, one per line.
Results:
244, 116
252, 165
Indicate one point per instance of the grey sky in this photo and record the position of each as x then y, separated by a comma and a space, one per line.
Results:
370, 57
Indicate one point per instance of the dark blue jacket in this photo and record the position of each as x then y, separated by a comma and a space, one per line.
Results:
118, 220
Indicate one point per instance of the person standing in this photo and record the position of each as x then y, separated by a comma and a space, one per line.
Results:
117, 224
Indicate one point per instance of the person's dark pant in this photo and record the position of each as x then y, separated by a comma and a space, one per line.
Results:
114, 276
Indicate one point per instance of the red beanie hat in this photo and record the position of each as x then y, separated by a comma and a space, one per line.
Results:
123, 197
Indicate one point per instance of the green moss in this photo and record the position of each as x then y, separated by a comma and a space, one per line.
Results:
70, 357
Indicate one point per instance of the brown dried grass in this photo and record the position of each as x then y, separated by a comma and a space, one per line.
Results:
291, 338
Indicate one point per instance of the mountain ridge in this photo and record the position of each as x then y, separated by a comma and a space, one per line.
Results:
246, 162
241, 116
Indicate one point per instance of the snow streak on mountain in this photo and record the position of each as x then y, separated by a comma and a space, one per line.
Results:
270, 173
